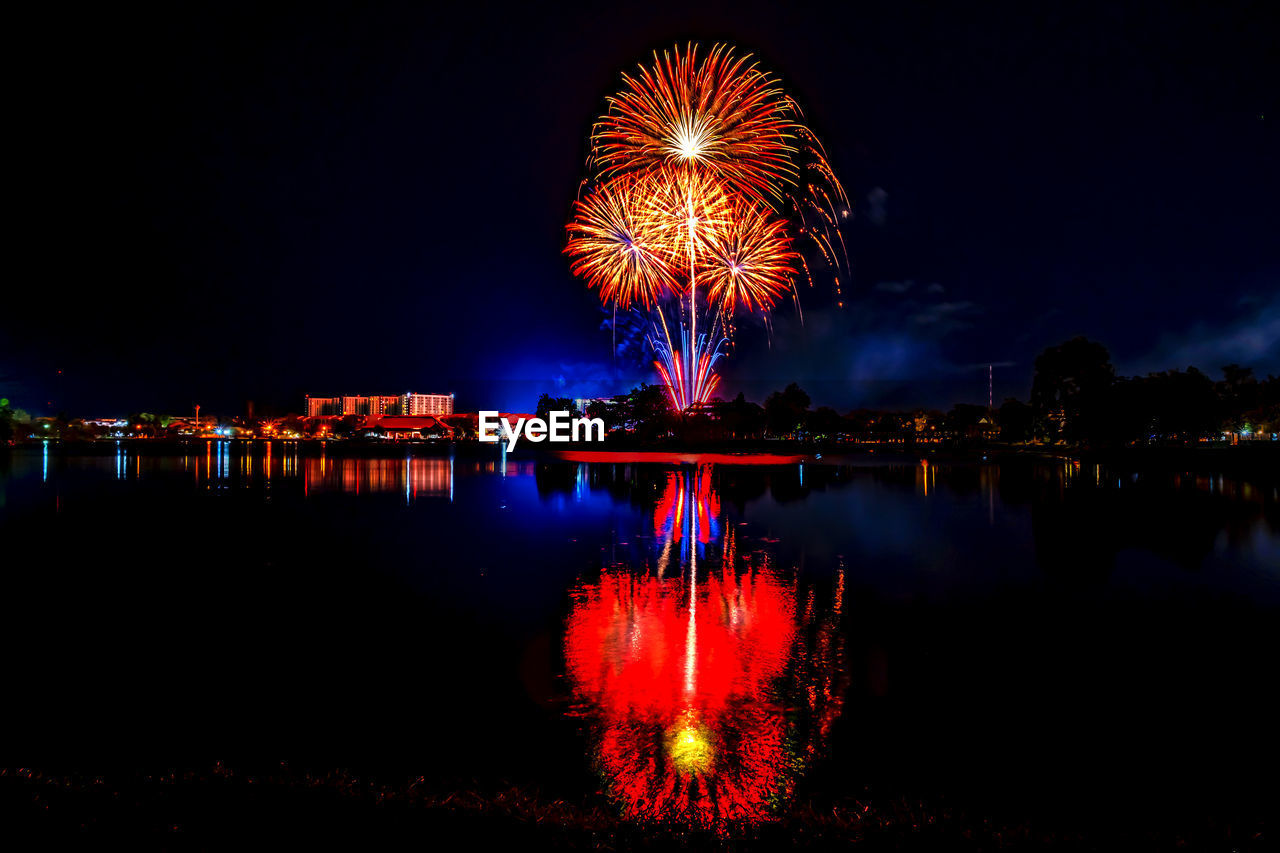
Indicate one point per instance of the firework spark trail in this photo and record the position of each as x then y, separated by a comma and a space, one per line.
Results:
618, 248
701, 164
751, 263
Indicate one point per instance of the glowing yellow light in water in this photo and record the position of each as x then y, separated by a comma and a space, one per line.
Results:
690, 750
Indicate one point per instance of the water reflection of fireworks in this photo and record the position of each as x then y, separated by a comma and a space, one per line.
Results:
710, 688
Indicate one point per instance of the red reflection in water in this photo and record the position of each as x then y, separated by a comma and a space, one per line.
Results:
690, 494
710, 696
663, 458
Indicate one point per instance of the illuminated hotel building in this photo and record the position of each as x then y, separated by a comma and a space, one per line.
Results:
381, 404
426, 404
374, 404
355, 405
318, 406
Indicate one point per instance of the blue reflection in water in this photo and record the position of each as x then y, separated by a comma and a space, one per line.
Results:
44, 474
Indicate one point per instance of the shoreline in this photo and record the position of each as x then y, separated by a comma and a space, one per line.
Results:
1258, 456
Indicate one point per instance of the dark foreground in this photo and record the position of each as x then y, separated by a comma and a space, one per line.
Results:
222, 806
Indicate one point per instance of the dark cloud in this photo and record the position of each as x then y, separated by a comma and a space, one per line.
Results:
895, 286
946, 316
874, 351
1252, 338
878, 206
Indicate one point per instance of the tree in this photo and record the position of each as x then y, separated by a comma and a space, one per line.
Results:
963, 418
345, 426
1016, 420
825, 422
741, 419
607, 411
784, 410
1239, 394
1070, 390
548, 404
6, 420
1172, 404
648, 409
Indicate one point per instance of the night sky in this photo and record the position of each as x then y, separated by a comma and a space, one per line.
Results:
217, 204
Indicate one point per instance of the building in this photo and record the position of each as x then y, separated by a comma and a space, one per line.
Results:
372, 405
360, 405
412, 404
320, 406
377, 405
398, 427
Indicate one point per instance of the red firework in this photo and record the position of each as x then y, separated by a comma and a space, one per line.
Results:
617, 245
721, 115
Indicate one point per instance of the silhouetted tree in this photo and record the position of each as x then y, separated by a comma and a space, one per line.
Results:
784, 410
1016, 419
548, 404
345, 426
824, 421
648, 409
6, 420
1171, 405
963, 418
1239, 395
861, 420
610, 413
742, 419
1070, 390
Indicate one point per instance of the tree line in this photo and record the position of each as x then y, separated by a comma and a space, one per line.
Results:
1076, 397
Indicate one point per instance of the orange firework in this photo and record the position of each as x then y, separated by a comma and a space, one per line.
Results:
686, 212
701, 165
749, 262
720, 114
619, 249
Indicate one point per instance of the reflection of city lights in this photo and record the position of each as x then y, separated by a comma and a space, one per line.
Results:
411, 477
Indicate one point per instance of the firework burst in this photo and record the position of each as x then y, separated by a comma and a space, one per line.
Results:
618, 248
701, 166
687, 211
749, 263
720, 114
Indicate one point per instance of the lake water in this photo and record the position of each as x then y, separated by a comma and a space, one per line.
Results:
706, 644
